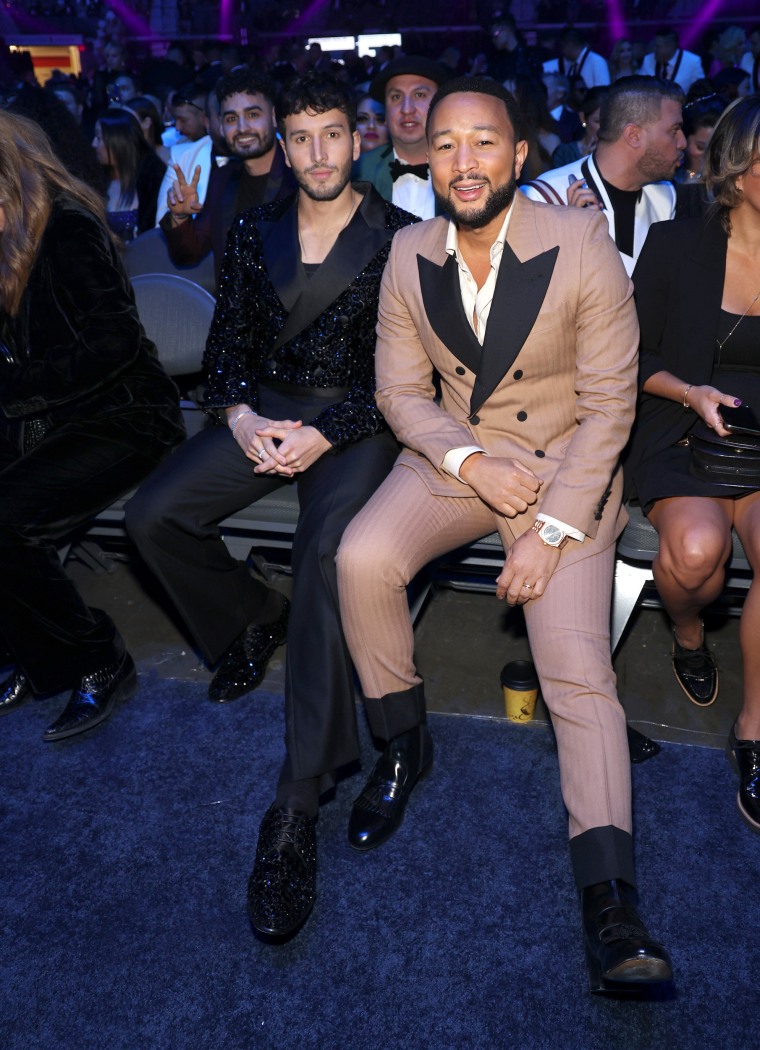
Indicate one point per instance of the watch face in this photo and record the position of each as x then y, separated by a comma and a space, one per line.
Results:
551, 534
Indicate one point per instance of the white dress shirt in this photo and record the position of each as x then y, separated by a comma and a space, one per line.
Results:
414, 194
477, 307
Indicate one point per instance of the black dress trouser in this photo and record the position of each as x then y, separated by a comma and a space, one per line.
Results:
75, 471
173, 519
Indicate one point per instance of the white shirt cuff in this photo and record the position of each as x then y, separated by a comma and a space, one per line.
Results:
574, 534
455, 457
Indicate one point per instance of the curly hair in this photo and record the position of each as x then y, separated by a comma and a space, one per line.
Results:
733, 149
317, 93
31, 176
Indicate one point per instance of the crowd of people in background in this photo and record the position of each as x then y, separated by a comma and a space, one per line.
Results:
121, 121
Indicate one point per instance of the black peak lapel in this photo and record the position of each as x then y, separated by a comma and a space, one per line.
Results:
355, 247
442, 298
279, 244
518, 296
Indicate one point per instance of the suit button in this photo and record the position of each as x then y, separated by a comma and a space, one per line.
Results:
522, 416
540, 453
459, 370
342, 319
518, 374
474, 420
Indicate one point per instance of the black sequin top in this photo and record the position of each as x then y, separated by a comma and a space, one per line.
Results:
274, 323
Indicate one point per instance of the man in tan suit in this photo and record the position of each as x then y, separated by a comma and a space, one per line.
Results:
524, 312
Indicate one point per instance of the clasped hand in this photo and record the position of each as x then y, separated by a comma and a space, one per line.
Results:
279, 446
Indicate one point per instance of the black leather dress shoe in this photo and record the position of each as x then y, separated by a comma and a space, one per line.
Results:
282, 887
640, 747
745, 758
94, 698
379, 809
14, 692
622, 957
696, 672
244, 664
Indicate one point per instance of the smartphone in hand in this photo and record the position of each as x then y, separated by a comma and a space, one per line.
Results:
741, 420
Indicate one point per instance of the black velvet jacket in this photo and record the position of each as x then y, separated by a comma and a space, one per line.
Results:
77, 350
274, 323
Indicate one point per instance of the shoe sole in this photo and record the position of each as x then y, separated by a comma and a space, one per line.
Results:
126, 689
698, 703
637, 978
270, 936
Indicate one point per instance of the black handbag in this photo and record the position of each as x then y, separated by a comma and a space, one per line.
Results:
732, 461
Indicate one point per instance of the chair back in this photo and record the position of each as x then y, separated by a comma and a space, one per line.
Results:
176, 314
149, 253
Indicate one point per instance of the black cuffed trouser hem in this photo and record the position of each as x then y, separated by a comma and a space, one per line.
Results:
602, 854
396, 713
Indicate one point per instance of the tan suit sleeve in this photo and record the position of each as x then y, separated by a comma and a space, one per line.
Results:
607, 339
405, 391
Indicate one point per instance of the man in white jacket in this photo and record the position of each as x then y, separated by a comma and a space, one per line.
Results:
668, 61
640, 145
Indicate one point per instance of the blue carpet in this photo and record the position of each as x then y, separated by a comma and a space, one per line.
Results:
125, 856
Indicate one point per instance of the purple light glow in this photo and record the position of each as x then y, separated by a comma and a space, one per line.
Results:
226, 17
617, 24
136, 25
696, 27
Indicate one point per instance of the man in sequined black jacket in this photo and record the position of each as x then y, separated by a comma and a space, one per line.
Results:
290, 363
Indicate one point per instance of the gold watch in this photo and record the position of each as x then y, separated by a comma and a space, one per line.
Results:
550, 534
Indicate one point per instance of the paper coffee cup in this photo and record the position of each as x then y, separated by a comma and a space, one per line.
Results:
519, 683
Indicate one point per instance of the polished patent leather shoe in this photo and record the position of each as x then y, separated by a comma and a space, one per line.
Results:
379, 809
696, 672
622, 957
640, 747
14, 692
244, 664
745, 758
282, 887
94, 698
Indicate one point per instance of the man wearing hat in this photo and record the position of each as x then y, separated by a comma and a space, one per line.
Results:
399, 170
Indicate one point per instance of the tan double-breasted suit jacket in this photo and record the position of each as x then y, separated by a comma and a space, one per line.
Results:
554, 384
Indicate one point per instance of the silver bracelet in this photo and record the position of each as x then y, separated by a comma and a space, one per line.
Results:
236, 420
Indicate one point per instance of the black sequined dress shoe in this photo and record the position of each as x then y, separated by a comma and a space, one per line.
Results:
745, 758
244, 664
282, 887
622, 957
14, 692
696, 673
379, 809
94, 698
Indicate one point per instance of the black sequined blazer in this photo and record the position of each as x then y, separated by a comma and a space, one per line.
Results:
272, 322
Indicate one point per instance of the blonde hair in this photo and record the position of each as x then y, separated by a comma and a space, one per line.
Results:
31, 177
731, 152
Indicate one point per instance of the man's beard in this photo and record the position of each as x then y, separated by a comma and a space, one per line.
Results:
497, 202
256, 149
324, 193
652, 167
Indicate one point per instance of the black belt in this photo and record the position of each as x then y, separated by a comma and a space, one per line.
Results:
323, 393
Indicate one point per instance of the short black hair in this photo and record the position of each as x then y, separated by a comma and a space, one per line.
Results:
317, 93
634, 100
480, 86
245, 81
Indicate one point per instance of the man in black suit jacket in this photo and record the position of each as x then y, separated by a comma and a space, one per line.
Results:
290, 362
257, 175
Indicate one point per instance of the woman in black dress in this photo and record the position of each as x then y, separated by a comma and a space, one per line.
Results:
86, 411
697, 286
